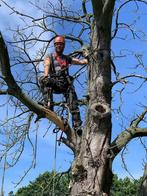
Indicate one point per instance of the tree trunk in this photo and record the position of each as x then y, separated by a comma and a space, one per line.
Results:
143, 188
92, 168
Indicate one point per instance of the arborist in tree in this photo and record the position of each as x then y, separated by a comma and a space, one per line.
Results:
56, 79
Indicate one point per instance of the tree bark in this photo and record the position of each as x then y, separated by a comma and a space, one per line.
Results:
143, 188
91, 169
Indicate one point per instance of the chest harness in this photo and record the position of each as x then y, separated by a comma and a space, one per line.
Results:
59, 66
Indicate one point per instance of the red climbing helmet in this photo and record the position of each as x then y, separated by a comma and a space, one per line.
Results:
59, 39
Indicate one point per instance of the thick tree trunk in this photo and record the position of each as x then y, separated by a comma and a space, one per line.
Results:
92, 169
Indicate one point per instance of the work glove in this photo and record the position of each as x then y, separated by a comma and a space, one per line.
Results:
85, 50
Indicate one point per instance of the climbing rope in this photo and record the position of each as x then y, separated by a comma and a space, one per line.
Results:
5, 156
56, 130
54, 166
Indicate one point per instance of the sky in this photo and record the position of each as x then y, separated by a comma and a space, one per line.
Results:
134, 154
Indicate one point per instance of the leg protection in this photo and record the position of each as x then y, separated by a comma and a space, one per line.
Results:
71, 99
46, 91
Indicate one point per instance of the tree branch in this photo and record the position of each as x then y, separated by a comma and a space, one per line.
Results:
68, 143
17, 12
117, 15
15, 90
52, 15
127, 135
122, 79
3, 92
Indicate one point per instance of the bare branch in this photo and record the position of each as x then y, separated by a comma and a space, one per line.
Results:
122, 79
118, 13
128, 134
17, 12
16, 91
136, 122
67, 18
52, 15
72, 38
3, 92
88, 16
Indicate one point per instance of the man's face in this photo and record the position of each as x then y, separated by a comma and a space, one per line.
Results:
59, 47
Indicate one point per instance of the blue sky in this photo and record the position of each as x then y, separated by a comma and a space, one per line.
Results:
135, 155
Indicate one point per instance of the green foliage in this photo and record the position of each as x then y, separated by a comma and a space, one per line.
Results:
47, 184
125, 187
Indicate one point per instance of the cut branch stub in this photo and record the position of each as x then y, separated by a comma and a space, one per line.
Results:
100, 110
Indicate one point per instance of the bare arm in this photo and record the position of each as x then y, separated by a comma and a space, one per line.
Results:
76, 61
47, 62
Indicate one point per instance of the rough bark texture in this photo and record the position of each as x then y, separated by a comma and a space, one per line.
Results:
93, 151
92, 168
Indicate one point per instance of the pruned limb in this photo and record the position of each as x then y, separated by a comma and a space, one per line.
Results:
126, 135
100, 110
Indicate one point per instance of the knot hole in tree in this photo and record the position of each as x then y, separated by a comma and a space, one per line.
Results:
100, 110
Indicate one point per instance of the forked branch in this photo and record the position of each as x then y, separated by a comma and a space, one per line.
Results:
128, 134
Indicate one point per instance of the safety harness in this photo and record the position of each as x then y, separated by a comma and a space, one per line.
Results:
63, 61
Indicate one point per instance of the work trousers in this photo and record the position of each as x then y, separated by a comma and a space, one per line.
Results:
60, 85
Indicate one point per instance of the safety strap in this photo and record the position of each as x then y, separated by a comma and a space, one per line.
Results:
52, 65
53, 72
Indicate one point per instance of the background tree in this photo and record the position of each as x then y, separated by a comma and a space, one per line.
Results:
43, 185
47, 184
124, 186
90, 32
